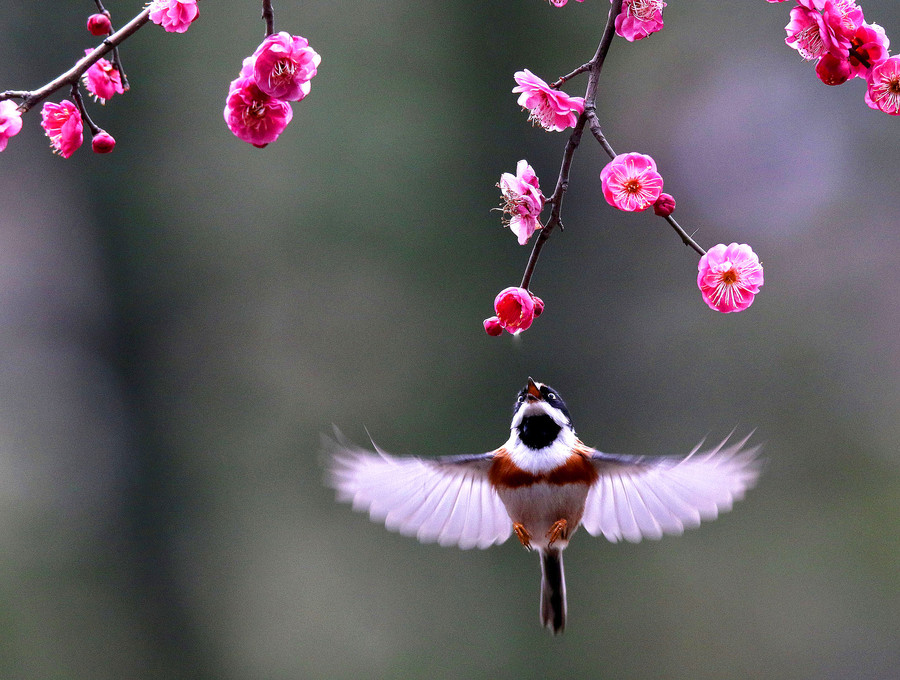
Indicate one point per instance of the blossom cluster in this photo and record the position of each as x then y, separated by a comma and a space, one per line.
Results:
257, 108
835, 34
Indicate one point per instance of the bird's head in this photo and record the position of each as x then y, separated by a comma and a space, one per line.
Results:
539, 415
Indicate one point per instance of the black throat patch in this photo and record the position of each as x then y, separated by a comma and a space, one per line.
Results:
536, 432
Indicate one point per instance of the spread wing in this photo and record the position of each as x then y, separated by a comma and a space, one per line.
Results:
447, 500
639, 497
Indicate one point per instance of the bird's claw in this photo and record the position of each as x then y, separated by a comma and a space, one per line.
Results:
522, 534
557, 531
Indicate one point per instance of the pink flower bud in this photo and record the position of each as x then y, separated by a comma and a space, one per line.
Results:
103, 142
515, 309
729, 277
833, 71
492, 326
99, 24
538, 305
665, 205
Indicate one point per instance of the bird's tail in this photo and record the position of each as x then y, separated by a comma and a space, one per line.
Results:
553, 591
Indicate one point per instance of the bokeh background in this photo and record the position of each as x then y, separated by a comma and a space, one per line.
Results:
181, 320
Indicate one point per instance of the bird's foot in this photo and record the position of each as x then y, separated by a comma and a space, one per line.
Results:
522, 534
557, 531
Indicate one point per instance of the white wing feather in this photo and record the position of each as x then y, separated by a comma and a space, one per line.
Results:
443, 500
643, 497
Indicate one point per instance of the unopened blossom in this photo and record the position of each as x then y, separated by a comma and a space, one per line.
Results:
883, 92
254, 116
523, 201
493, 327
551, 109
283, 65
175, 16
833, 71
102, 79
639, 18
664, 205
729, 277
99, 24
560, 3
10, 121
515, 309
630, 182
62, 124
103, 142
538, 303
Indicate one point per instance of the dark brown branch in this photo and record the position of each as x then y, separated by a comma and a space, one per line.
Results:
268, 15
594, 67
70, 77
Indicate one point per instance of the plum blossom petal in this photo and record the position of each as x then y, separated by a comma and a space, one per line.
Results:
10, 121
175, 16
523, 201
551, 109
102, 80
62, 124
639, 18
729, 277
515, 309
883, 90
254, 116
283, 65
630, 182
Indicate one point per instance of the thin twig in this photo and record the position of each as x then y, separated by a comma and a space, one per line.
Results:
268, 15
594, 67
70, 77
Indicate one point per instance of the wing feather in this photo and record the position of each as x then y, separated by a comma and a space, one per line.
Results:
445, 500
639, 497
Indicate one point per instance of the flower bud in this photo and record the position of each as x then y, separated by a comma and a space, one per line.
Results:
492, 326
99, 24
103, 142
538, 305
665, 205
833, 71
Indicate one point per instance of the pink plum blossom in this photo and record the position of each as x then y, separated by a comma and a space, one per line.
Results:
62, 124
639, 18
523, 201
561, 3
99, 24
729, 277
551, 109
515, 309
883, 92
630, 182
254, 116
10, 121
102, 80
820, 26
283, 66
175, 16
869, 47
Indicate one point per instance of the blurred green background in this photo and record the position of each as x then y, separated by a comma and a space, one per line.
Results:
182, 319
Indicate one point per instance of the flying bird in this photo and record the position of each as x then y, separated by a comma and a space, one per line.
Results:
541, 485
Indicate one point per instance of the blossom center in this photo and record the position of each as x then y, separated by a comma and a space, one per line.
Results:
644, 9
282, 71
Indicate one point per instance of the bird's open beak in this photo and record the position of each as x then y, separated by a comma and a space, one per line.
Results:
534, 394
